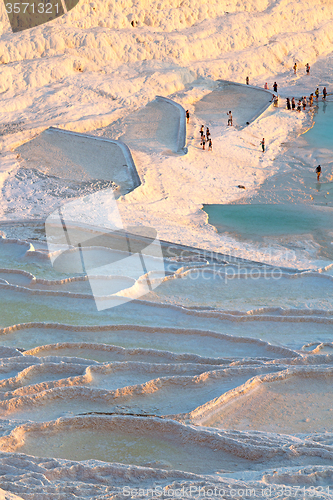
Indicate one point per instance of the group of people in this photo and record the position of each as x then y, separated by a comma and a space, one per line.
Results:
304, 101
291, 103
205, 137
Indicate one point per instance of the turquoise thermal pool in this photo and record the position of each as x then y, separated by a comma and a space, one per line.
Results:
252, 221
274, 222
320, 135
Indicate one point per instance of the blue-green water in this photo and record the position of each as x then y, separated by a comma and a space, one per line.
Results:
254, 222
321, 134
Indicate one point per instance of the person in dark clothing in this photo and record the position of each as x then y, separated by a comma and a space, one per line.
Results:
187, 116
247, 80
201, 133
275, 87
263, 144
293, 103
324, 93
318, 172
288, 103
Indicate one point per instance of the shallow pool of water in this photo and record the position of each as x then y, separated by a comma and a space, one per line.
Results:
79, 157
320, 135
213, 107
290, 332
144, 442
286, 404
247, 293
276, 222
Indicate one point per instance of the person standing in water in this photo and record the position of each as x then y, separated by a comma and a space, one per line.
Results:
324, 93
288, 103
229, 118
293, 104
318, 172
263, 144
317, 93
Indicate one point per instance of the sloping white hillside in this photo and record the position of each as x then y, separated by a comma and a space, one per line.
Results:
221, 39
